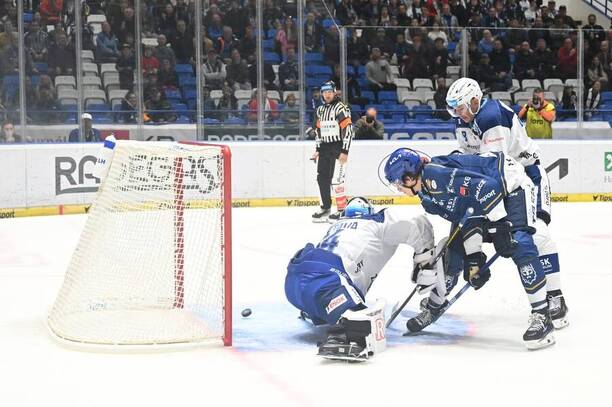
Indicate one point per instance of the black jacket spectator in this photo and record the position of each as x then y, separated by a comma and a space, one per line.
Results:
288, 72
332, 45
500, 60
525, 65
158, 108
125, 66
439, 59
62, 58
313, 33
129, 109
593, 33
166, 75
358, 49
182, 43
269, 76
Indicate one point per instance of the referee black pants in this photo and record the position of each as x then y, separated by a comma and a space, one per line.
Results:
328, 154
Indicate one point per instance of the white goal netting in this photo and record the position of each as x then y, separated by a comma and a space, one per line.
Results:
152, 265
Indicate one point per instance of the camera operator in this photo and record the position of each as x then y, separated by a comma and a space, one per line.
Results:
368, 128
538, 114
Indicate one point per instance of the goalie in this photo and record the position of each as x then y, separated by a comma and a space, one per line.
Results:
328, 282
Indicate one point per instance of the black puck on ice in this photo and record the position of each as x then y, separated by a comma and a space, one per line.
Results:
246, 312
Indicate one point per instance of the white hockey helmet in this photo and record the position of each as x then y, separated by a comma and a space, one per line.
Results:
461, 92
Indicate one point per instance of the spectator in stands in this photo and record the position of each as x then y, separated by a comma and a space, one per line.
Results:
605, 57
537, 31
45, 103
532, 12
126, 64
164, 51
402, 48
313, 33
557, 33
474, 24
183, 12
383, 43
567, 58
291, 112
538, 114
8, 135
215, 29
596, 73
237, 18
487, 43
436, 33
271, 13
150, 64
378, 73
158, 108
269, 76
270, 109
227, 44
593, 100
567, 20
516, 35
248, 44
62, 59
288, 72
167, 21
125, 25
492, 21
449, 21
331, 49
51, 11
544, 61
593, 32
166, 76
36, 41
91, 135
182, 43
107, 47
525, 64
209, 107
568, 102
483, 72
440, 99
151, 84
358, 49
439, 59
416, 65
548, 18
238, 72
368, 127
285, 37
315, 100
129, 108
214, 71
345, 12
228, 104
500, 61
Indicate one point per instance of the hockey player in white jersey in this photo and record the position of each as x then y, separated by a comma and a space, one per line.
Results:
328, 282
487, 125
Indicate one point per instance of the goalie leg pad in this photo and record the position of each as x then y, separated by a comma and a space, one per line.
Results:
367, 327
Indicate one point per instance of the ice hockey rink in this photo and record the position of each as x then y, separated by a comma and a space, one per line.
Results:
473, 356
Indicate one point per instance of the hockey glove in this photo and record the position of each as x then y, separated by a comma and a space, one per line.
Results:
501, 235
472, 272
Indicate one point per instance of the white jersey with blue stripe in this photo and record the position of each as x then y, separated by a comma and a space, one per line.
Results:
496, 128
365, 244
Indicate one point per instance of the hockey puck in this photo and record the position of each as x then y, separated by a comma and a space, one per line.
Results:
246, 312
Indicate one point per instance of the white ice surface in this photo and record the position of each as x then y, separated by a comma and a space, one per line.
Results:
474, 356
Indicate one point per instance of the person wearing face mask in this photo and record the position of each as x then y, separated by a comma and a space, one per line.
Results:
539, 114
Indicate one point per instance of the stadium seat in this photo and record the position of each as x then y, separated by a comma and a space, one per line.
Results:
551, 96
271, 33
606, 97
111, 81
453, 70
96, 18
313, 57
422, 111
286, 93
402, 83
422, 84
94, 96
315, 70
183, 69
528, 85
268, 45
91, 82
243, 94
190, 94
173, 95
187, 80
387, 96
87, 55
505, 97
235, 121
571, 82
116, 95
426, 95
89, 69
271, 57
65, 80
67, 96
368, 94
41, 67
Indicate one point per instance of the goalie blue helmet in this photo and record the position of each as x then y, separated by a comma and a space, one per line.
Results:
401, 163
358, 206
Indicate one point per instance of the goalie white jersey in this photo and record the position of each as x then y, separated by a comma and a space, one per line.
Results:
365, 244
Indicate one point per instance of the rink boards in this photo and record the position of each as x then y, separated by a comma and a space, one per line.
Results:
56, 178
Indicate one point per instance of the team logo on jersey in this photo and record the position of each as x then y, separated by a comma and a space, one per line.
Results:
335, 303
475, 129
528, 274
431, 184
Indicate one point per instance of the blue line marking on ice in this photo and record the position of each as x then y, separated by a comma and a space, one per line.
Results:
276, 327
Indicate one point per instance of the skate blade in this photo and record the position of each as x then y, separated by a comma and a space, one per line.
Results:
345, 358
545, 342
560, 323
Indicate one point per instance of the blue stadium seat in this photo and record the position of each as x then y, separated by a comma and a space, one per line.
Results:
606, 97
41, 67
35, 80
179, 107
268, 45
451, 47
271, 33
271, 57
173, 95
210, 121
183, 68
422, 112
328, 22
312, 82
313, 57
27, 17
190, 94
368, 95
185, 80
182, 119
387, 95
235, 121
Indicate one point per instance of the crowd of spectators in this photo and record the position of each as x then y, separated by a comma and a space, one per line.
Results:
510, 39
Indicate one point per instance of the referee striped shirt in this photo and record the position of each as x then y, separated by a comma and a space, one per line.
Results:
334, 124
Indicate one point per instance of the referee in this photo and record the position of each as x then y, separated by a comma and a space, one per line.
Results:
333, 133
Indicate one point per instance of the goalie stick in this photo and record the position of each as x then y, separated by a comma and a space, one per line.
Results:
459, 294
450, 239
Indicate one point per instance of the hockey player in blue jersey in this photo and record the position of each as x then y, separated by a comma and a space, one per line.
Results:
487, 125
328, 282
502, 197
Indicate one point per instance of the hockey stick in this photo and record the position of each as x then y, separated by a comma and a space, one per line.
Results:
459, 293
450, 239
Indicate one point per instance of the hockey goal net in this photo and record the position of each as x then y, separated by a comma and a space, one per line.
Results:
153, 263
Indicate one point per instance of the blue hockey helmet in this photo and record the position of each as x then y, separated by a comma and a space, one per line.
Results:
328, 86
401, 163
358, 206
